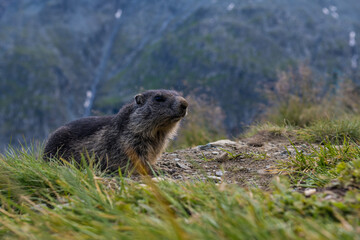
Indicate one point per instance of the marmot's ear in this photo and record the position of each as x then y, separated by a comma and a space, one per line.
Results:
139, 99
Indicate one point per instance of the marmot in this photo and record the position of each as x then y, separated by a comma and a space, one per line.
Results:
137, 134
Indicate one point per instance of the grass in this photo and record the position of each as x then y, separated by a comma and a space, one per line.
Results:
332, 149
42, 200
334, 130
285, 130
320, 165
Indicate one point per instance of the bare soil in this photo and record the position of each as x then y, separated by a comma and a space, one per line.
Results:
247, 162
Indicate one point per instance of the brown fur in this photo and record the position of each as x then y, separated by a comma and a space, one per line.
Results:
139, 133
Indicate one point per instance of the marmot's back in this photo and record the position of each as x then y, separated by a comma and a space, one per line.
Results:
59, 142
139, 132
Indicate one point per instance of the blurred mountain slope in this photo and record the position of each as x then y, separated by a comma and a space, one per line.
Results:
51, 51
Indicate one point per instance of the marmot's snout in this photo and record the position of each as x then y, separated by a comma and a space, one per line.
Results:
183, 106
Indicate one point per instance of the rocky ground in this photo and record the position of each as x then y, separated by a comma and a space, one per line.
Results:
247, 162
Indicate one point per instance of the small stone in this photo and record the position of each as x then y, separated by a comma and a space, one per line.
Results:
177, 159
329, 197
215, 178
223, 157
205, 147
262, 172
39, 207
309, 192
158, 179
215, 153
61, 206
219, 173
223, 143
255, 144
180, 165
173, 154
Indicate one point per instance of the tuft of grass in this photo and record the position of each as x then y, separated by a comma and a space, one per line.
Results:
319, 166
285, 130
349, 173
334, 130
41, 200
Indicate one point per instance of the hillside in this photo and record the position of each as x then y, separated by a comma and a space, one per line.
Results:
60, 59
263, 187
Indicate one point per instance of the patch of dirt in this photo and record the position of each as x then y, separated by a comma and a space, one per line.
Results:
247, 162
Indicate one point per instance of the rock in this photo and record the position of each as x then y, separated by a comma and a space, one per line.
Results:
255, 144
223, 157
219, 173
205, 147
216, 179
158, 179
310, 191
215, 153
262, 172
177, 159
61, 206
171, 171
142, 185
223, 143
180, 165
39, 207
329, 197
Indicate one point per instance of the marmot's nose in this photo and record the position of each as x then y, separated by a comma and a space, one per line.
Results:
183, 104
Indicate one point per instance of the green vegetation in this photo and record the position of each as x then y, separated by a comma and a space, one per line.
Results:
324, 164
273, 129
334, 130
50, 59
303, 108
50, 56
42, 200
325, 129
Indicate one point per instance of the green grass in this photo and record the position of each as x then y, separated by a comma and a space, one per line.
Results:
322, 164
334, 130
274, 129
42, 200
332, 150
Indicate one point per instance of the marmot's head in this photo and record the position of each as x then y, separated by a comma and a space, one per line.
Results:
158, 109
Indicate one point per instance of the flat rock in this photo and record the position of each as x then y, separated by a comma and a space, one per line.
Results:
224, 143
219, 173
215, 178
309, 192
181, 165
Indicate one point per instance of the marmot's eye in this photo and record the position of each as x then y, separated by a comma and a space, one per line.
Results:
160, 98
